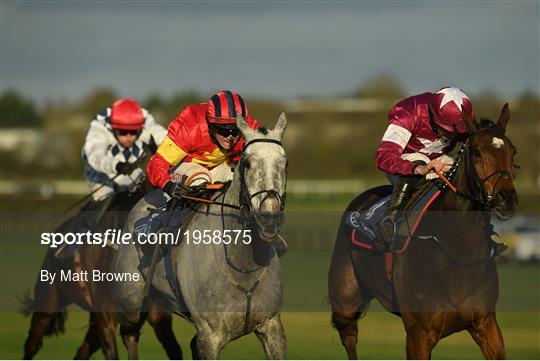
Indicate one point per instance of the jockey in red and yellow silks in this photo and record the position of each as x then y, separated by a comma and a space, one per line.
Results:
204, 134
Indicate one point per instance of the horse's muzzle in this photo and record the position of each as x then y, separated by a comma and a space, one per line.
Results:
504, 204
269, 224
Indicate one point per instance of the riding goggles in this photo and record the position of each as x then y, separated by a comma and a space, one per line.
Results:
224, 130
127, 132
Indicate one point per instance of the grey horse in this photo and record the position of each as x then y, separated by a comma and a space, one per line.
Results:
227, 291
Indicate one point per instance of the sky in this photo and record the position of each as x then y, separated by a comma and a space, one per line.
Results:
62, 50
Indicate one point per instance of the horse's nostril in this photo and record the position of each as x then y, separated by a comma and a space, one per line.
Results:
506, 199
265, 219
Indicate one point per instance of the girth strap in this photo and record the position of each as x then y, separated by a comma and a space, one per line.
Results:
389, 266
249, 295
170, 273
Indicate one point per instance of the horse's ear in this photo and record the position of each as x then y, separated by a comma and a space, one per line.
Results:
504, 117
281, 124
244, 127
470, 121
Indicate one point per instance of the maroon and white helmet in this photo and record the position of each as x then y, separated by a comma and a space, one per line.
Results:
448, 103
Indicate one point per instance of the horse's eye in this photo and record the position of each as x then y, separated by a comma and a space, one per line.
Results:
247, 164
287, 164
475, 152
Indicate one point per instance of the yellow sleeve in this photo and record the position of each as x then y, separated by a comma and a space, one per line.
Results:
170, 151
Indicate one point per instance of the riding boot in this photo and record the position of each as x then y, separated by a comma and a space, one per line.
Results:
387, 227
280, 246
497, 247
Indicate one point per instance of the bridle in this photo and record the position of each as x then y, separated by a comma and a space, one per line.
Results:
478, 193
246, 197
245, 207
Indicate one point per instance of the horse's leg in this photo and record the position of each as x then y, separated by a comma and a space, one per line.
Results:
130, 329
45, 309
209, 344
193, 346
91, 341
420, 342
129, 298
272, 337
345, 296
38, 326
487, 334
161, 321
106, 323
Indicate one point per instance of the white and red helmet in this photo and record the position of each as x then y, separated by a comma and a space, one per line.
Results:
447, 104
223, 108
126, 114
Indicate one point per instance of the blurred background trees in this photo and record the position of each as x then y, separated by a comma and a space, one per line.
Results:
331, 138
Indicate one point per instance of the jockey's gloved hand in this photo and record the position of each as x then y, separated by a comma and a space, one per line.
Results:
176, 190
125, 167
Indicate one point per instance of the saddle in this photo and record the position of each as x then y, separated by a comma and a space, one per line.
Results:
160, 219
166, 219
364, 224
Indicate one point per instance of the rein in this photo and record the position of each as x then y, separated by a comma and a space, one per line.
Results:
245, 197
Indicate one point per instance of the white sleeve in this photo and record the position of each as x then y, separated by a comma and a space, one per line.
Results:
397, 135
96, 147
154, 129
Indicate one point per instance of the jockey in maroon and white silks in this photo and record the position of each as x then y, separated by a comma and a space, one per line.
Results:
411, 130
422, 130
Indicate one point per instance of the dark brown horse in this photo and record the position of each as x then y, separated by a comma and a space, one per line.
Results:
48, 307
446, 279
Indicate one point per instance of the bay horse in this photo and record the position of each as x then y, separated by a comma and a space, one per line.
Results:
446, 280
48, 308
226, 289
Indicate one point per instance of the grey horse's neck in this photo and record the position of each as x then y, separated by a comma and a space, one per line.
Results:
233, 192
244, 256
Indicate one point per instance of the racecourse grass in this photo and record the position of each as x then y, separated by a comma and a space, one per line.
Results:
310, 231
306, 317
309, 336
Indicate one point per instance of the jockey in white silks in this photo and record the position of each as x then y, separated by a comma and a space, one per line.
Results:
118, 137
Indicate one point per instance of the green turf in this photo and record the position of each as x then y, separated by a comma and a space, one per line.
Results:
309, 336
310, 230
306, 317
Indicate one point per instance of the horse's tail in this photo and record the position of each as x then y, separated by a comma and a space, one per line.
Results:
58, 322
